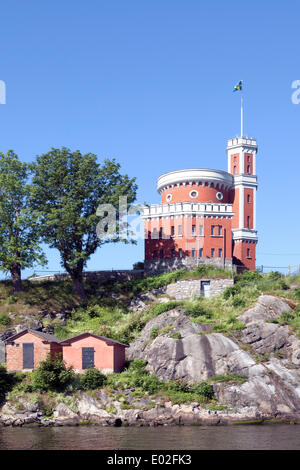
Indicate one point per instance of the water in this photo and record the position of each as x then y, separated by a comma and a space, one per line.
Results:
239, 437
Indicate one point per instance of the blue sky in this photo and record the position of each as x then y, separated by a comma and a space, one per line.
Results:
150, 83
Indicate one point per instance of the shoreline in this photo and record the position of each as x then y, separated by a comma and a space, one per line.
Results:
151, 418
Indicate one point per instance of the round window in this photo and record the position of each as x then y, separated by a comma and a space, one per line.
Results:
169, 197
193, 194
220, 196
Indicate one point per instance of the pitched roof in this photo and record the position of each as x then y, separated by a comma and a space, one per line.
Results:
39, 333
96, 336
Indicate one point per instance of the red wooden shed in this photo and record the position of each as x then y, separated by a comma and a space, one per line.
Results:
25, 350
90, 350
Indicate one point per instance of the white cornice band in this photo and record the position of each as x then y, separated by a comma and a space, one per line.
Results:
195, 175
244, 234
186, 208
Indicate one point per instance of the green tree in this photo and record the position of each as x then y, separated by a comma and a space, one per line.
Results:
19, 237
67, 188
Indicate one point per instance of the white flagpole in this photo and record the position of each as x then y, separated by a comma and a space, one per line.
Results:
242, 116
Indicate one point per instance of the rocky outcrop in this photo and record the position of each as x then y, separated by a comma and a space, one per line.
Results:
266, 308
272, 385
196, 356
265, 337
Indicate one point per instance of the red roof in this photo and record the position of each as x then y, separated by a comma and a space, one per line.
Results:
74, 338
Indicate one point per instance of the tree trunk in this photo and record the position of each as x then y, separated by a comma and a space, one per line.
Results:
78, 286
16, 278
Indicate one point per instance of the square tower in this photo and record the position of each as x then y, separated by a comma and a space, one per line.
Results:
242, 153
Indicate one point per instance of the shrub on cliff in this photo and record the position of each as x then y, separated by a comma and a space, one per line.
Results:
231, 291
92, 379
6, 381
52, 374
4, 320
195, 310
204, 389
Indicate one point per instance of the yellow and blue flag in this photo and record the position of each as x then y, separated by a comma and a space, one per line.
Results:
239, 86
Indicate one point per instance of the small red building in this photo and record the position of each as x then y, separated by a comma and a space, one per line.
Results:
90, 350
25, 350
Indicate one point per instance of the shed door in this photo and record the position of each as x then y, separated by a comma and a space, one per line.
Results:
205, 288
28, 356
87, 358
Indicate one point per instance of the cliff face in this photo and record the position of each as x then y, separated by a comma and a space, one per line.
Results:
266, 353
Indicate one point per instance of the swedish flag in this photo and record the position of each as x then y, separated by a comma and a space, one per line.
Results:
239, 86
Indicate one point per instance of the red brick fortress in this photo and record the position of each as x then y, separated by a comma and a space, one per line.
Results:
205, 216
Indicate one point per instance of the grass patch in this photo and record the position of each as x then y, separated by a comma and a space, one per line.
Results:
165, 307
291, 319
232, 378
175, 391
175, 335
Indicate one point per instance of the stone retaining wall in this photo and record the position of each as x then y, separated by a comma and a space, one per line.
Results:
101, 276
160, 266
192, 287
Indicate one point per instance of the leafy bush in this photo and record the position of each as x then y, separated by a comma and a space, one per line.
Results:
197, 310
12, 299
6, 381
280, 284
138, 365
231, 291
149, 383
238, 301
4, 320
92, 379
275, 275
248, 277
52, 374
204, 389
177, 386
296, 293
